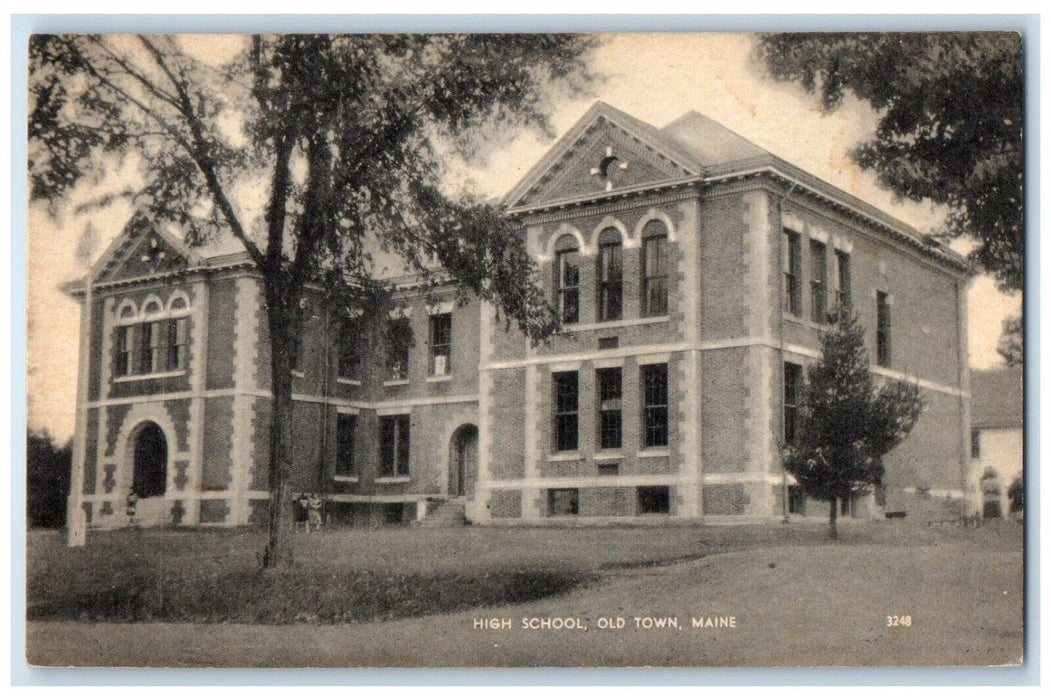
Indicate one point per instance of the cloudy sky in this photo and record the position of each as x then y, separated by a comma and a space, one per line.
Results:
654, 77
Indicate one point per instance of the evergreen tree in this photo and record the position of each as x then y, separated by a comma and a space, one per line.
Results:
846, 426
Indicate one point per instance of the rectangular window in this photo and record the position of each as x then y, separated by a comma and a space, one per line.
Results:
563, 501
124, 353
295, 354
791, 264
345, 427
654, 276
882, 329
441, 344
793, 393
609, 398
348, 363
976, 443
610, 282
567, 284
653, 499
655, 405
150, 347
566, 408
177, 343
842, 279
399, 338
818, 282
394, 445
796, 500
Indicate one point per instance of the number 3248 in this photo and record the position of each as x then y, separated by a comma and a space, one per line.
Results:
899, 620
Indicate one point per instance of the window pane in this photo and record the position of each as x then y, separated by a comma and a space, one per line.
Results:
566, 406
345, 426
883, 345
403, 444
610, 282
563, 501
818, 282
388, 443
441, 343
793, 385
655, 405
654, 286
793, 283
567, 284
609, 404
399, 338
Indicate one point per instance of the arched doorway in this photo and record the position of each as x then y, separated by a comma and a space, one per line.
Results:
150, 461
463, 461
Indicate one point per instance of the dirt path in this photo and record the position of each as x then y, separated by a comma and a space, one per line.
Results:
791, 606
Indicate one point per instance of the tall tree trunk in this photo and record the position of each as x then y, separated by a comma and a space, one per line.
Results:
833, 504
278, 553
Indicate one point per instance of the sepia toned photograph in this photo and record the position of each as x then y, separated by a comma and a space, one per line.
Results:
525, 350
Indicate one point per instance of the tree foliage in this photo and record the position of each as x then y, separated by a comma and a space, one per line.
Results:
845, 425
314, 152
1012, 346
47, 479
950, 123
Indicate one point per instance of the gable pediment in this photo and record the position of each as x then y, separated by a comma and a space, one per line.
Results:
605, 152
142, 250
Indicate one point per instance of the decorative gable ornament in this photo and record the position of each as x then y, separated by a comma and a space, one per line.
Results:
604, 166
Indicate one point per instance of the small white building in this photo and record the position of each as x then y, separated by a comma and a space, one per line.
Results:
996, 435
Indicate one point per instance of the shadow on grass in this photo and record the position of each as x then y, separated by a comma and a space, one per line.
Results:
138, 594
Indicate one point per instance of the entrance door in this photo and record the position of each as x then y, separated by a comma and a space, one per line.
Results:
465, 460
150, 476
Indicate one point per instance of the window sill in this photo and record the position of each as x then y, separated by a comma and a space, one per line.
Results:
396, 382
348, 382
806, 322
565, 457
297, 373
153, 375
439, 378
392, 479
345, 479
601, 325
653, 452
608, 454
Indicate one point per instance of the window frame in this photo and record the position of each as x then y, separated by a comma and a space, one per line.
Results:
791, 267
565, 413
395, 460
400, 343
655, 283
609, 387
818, 281
842, 279
610, 276
346, 439
434, 321
790, 400
884, 348
566, 259
573, 495
654, 413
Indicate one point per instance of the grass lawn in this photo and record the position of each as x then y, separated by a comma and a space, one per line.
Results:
798, 598
344, 575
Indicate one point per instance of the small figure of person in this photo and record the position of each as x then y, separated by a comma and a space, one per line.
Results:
130, 504
313, 511
302, 506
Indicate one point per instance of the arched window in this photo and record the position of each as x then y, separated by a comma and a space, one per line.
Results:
567, 279
654, 269
154, 342
610, 276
